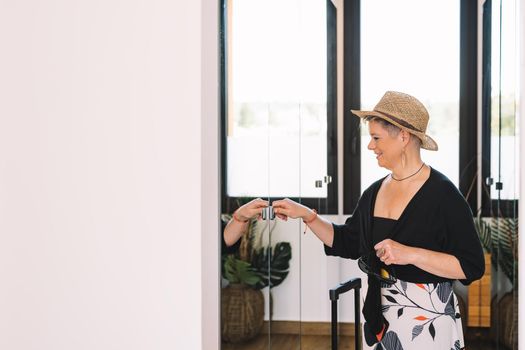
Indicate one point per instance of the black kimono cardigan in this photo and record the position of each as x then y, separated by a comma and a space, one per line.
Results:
437, 218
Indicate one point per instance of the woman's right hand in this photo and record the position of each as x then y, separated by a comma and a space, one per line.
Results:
251, 209
287, 208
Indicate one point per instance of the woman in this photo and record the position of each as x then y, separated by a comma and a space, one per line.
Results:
413, 232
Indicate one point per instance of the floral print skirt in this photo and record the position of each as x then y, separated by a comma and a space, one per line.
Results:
420, 316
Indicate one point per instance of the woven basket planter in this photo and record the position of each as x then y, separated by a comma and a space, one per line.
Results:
242, 313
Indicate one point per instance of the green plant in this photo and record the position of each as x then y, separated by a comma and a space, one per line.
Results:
237, 271
499, 237
270, 264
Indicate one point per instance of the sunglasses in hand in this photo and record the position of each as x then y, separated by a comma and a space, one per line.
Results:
382, 275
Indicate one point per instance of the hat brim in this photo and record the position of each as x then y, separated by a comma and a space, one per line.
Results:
426, 141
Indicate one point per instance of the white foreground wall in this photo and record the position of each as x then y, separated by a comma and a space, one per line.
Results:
102, 174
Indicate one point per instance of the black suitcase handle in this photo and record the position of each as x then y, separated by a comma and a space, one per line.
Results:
354, 283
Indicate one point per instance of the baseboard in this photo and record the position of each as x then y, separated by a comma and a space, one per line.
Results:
307, 328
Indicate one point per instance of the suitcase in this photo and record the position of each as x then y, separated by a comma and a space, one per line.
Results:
355, 284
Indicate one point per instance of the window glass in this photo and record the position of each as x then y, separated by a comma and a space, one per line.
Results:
277, 92
407, 46
504, 150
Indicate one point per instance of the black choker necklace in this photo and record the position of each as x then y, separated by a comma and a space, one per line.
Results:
409, 176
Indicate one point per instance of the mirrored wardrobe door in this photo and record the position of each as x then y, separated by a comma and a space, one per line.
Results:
261, 148
275, 146
298, 168
504, 175
286, 93
318, 163
283, 292
493, 301
245, 113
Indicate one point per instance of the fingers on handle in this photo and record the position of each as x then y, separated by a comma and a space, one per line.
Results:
282, 211
278, 204
261, 202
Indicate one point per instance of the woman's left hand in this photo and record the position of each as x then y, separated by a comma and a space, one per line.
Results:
391, 252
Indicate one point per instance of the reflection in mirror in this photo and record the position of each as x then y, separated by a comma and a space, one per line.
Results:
274, 146
494, 303
284, 298
275, 73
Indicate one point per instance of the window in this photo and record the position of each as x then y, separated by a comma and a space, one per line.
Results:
279, 114
428, 51
419, 56
501, 188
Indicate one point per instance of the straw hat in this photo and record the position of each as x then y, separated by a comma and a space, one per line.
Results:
405, 112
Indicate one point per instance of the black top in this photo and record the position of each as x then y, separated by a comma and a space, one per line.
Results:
437, 218
234, 248
381, 230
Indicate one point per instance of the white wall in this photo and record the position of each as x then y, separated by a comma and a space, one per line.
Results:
101, 173
210, 194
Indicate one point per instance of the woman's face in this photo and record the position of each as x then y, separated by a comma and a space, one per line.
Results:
387, 148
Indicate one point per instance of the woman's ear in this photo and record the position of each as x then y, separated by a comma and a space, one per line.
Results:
405, 136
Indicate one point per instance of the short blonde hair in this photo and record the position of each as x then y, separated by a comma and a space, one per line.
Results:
392, 129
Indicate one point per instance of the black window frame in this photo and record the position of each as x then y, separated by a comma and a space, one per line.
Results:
506, 208
468, 137
328, 205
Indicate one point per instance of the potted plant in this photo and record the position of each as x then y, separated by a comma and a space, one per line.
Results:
242, 305
254, 267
